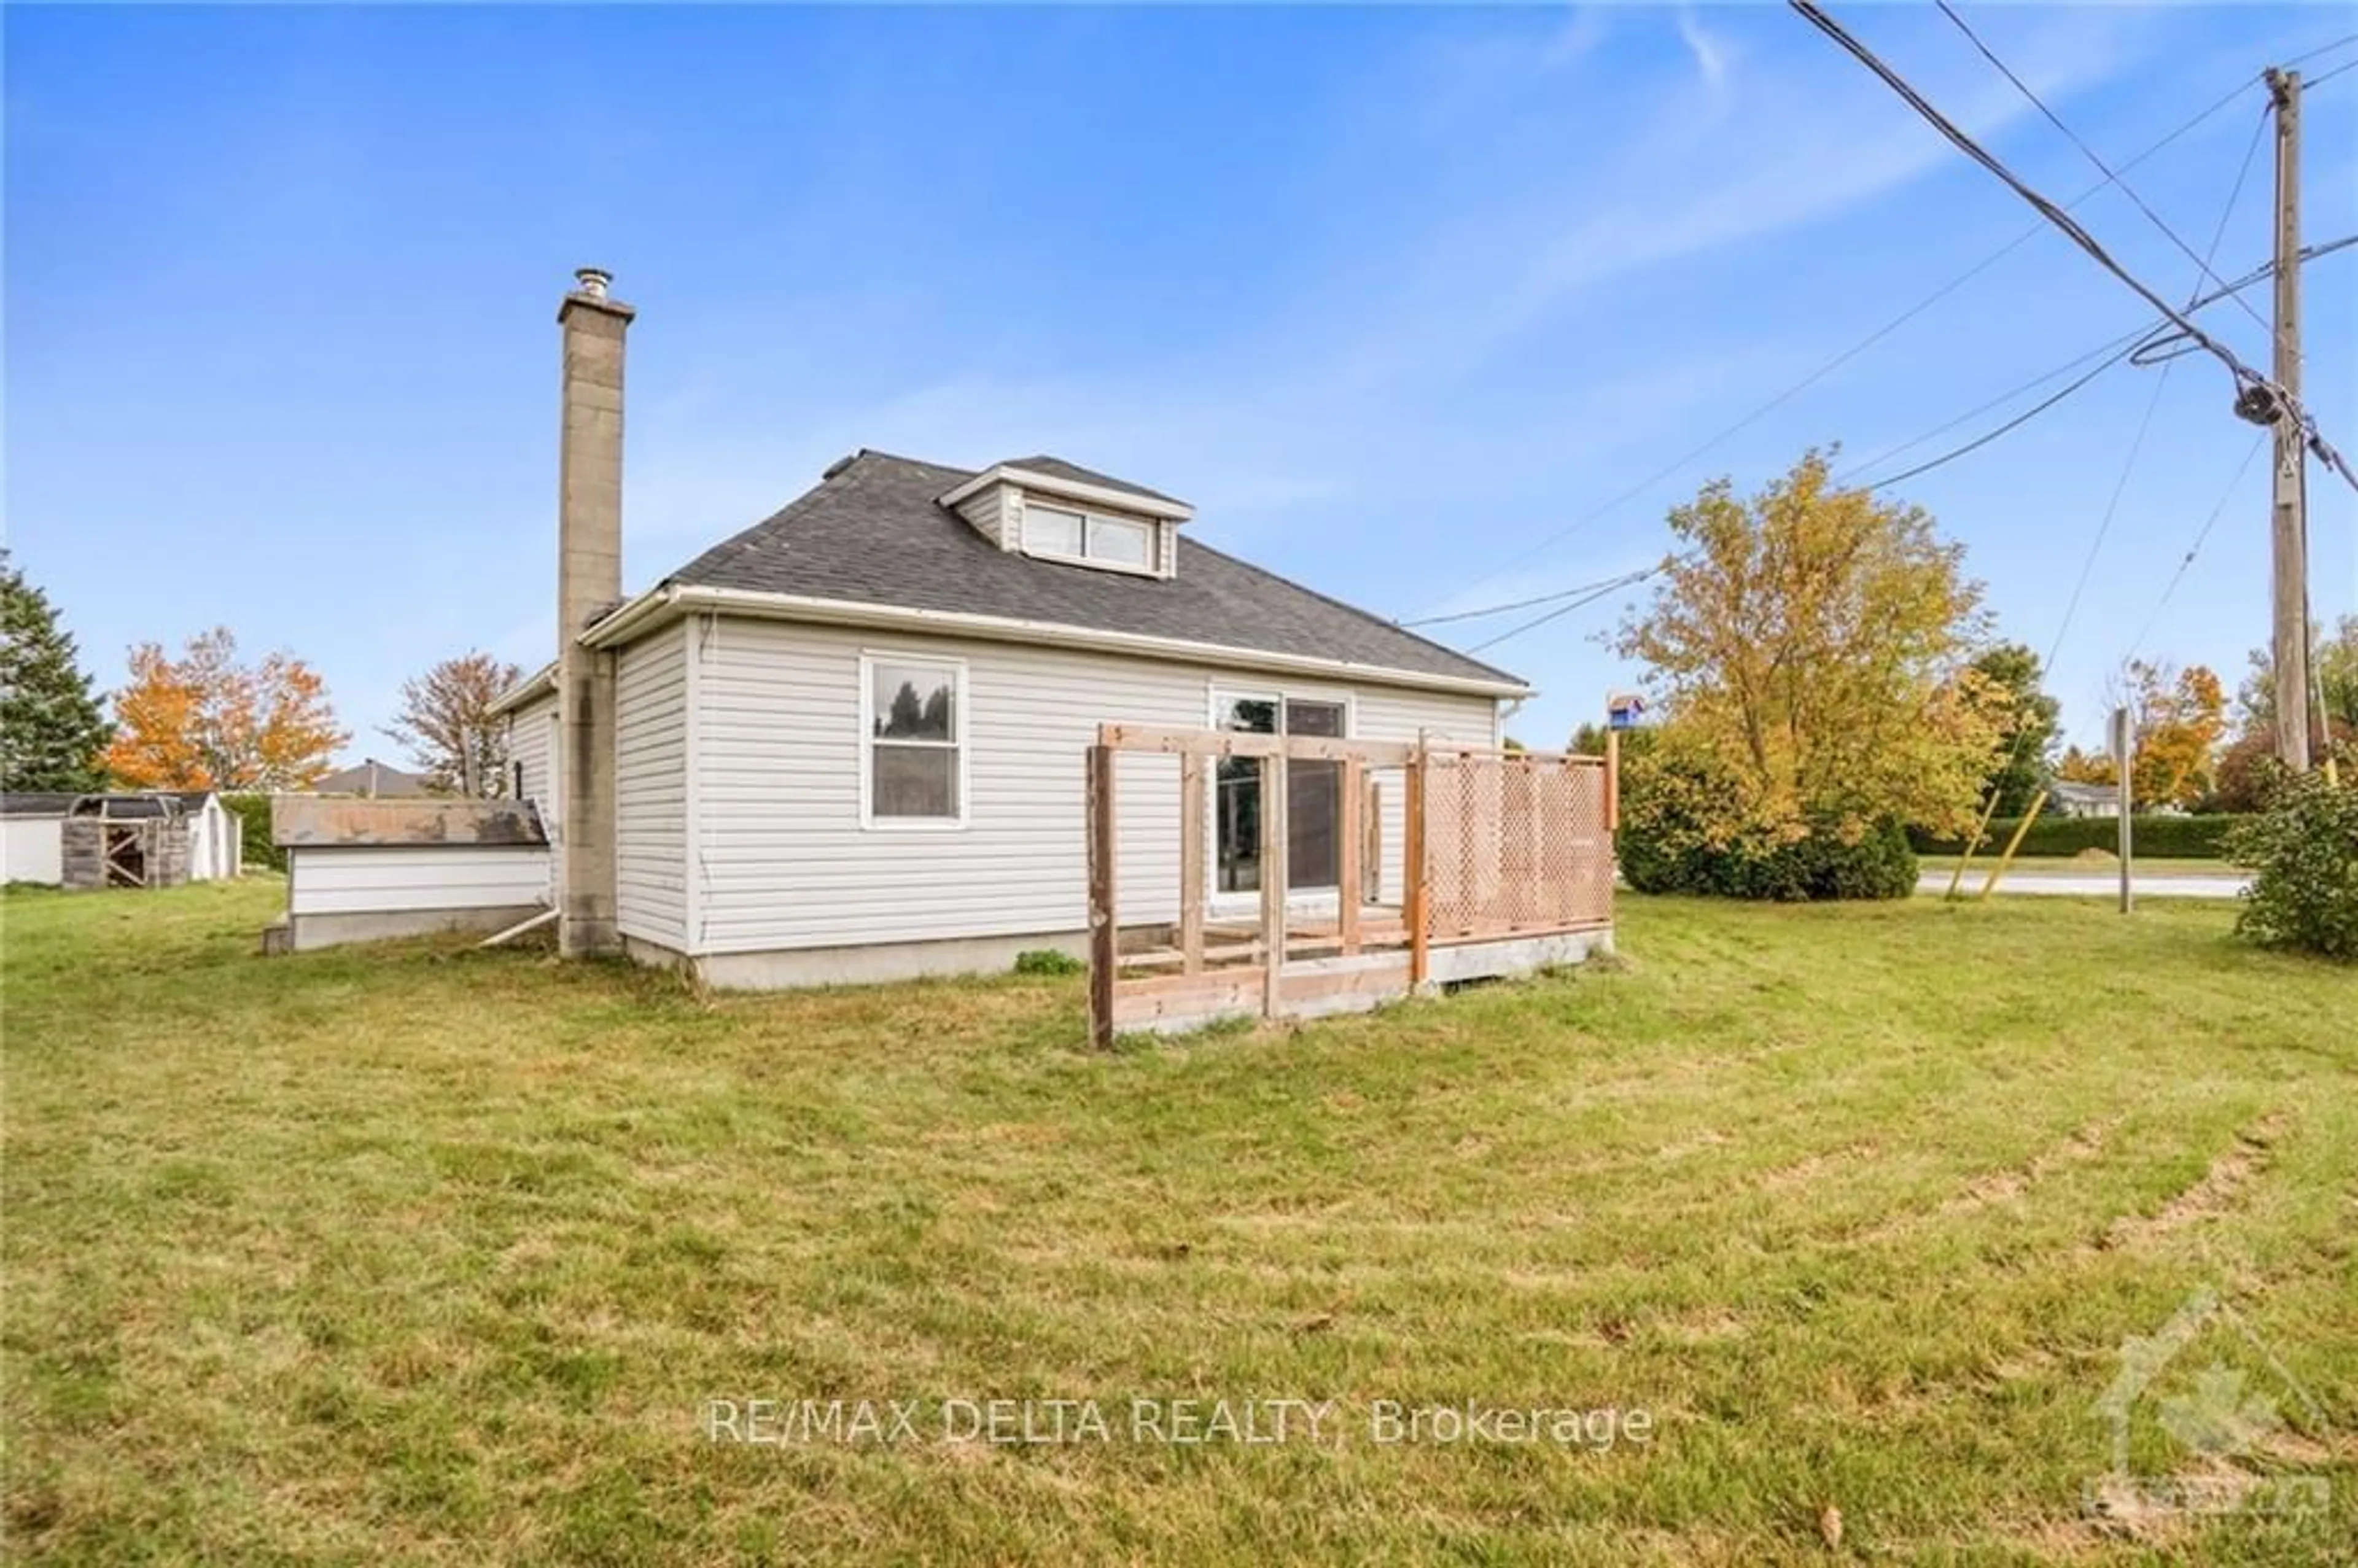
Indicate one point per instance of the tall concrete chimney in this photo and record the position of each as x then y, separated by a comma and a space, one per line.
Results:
588, 584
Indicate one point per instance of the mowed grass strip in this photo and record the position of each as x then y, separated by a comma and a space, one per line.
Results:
428, 1254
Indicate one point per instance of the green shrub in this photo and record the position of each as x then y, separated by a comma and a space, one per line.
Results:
1670, 840
1047, 961
2179, 837
1879, 864
253, 813
2303, 851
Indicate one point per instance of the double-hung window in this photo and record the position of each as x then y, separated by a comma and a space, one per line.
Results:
1084, 536
912, 727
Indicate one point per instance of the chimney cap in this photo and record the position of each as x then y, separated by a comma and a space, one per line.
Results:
593, 281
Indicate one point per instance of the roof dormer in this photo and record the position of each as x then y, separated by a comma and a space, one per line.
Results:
1057, 512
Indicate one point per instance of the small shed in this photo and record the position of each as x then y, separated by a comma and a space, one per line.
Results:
360, 869
158, 839
32, 838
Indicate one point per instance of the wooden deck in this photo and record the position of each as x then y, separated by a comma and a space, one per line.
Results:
1507, 863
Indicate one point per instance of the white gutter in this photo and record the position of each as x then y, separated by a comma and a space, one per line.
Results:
544, 679
661, 603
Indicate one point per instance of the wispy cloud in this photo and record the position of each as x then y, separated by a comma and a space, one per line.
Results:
1710, 53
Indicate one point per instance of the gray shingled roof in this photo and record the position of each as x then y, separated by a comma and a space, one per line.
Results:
38, 803
123, 803
1058, 468
874, 533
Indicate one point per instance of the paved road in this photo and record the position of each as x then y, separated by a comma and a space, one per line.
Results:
2085, 884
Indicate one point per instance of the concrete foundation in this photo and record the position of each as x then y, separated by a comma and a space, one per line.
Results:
1514, 955
307, 931
875, 962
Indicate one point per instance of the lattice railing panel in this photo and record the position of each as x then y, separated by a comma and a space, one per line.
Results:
1515, 843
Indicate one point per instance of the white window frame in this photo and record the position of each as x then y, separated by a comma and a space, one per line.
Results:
961, 742
1151, 527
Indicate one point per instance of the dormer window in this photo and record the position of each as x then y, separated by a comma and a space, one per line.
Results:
1087, 536
1050, 509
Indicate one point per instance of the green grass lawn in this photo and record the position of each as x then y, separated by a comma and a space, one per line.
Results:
429, 1255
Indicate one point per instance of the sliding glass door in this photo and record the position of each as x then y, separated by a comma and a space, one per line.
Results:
1314, 798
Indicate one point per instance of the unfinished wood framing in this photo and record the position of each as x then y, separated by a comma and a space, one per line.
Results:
1505, 861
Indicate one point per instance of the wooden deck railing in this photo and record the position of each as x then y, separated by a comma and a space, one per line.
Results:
1498, 846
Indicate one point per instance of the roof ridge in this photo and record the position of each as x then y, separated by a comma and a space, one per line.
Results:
1346, 605
873, 530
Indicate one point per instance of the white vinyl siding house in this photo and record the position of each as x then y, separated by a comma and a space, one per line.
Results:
784, 861
532, 766
849, 742
651, 778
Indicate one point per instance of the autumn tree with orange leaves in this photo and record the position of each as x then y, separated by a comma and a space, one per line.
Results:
205, 720
2176, 720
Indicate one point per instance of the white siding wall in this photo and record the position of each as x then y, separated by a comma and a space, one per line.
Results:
32, 850
996, 512
651, 788
783, 862
531, 741
528, 744
376, 880
212, 842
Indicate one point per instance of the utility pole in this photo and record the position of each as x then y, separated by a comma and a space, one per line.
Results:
2288, 516
2123, 739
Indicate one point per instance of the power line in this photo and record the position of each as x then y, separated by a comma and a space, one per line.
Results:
2148, 352
2136, 341
2128, 464
2133, 347
1630, 580
2123, 347
2324, 78
2257, 397
2195, 550
2161, 383
1864, 343
2089, 153
2344, 41
2129, 346
1490, 609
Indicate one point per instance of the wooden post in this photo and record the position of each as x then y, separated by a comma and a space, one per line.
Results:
1273, 848
2014, 843
1612, 781
2123, 754
1103, 954
1347, 895
1412, 868
1192, 871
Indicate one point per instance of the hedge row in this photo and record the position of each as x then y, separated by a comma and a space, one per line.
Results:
253, 813
2179, 837
1820, 865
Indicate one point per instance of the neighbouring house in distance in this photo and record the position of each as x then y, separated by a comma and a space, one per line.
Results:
155, 839
2085, 799
372, 780
847, 743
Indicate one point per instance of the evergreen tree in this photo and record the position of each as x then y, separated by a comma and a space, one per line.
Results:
51, 727
2025, 758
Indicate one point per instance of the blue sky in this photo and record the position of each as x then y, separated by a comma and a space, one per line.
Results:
1391, 295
